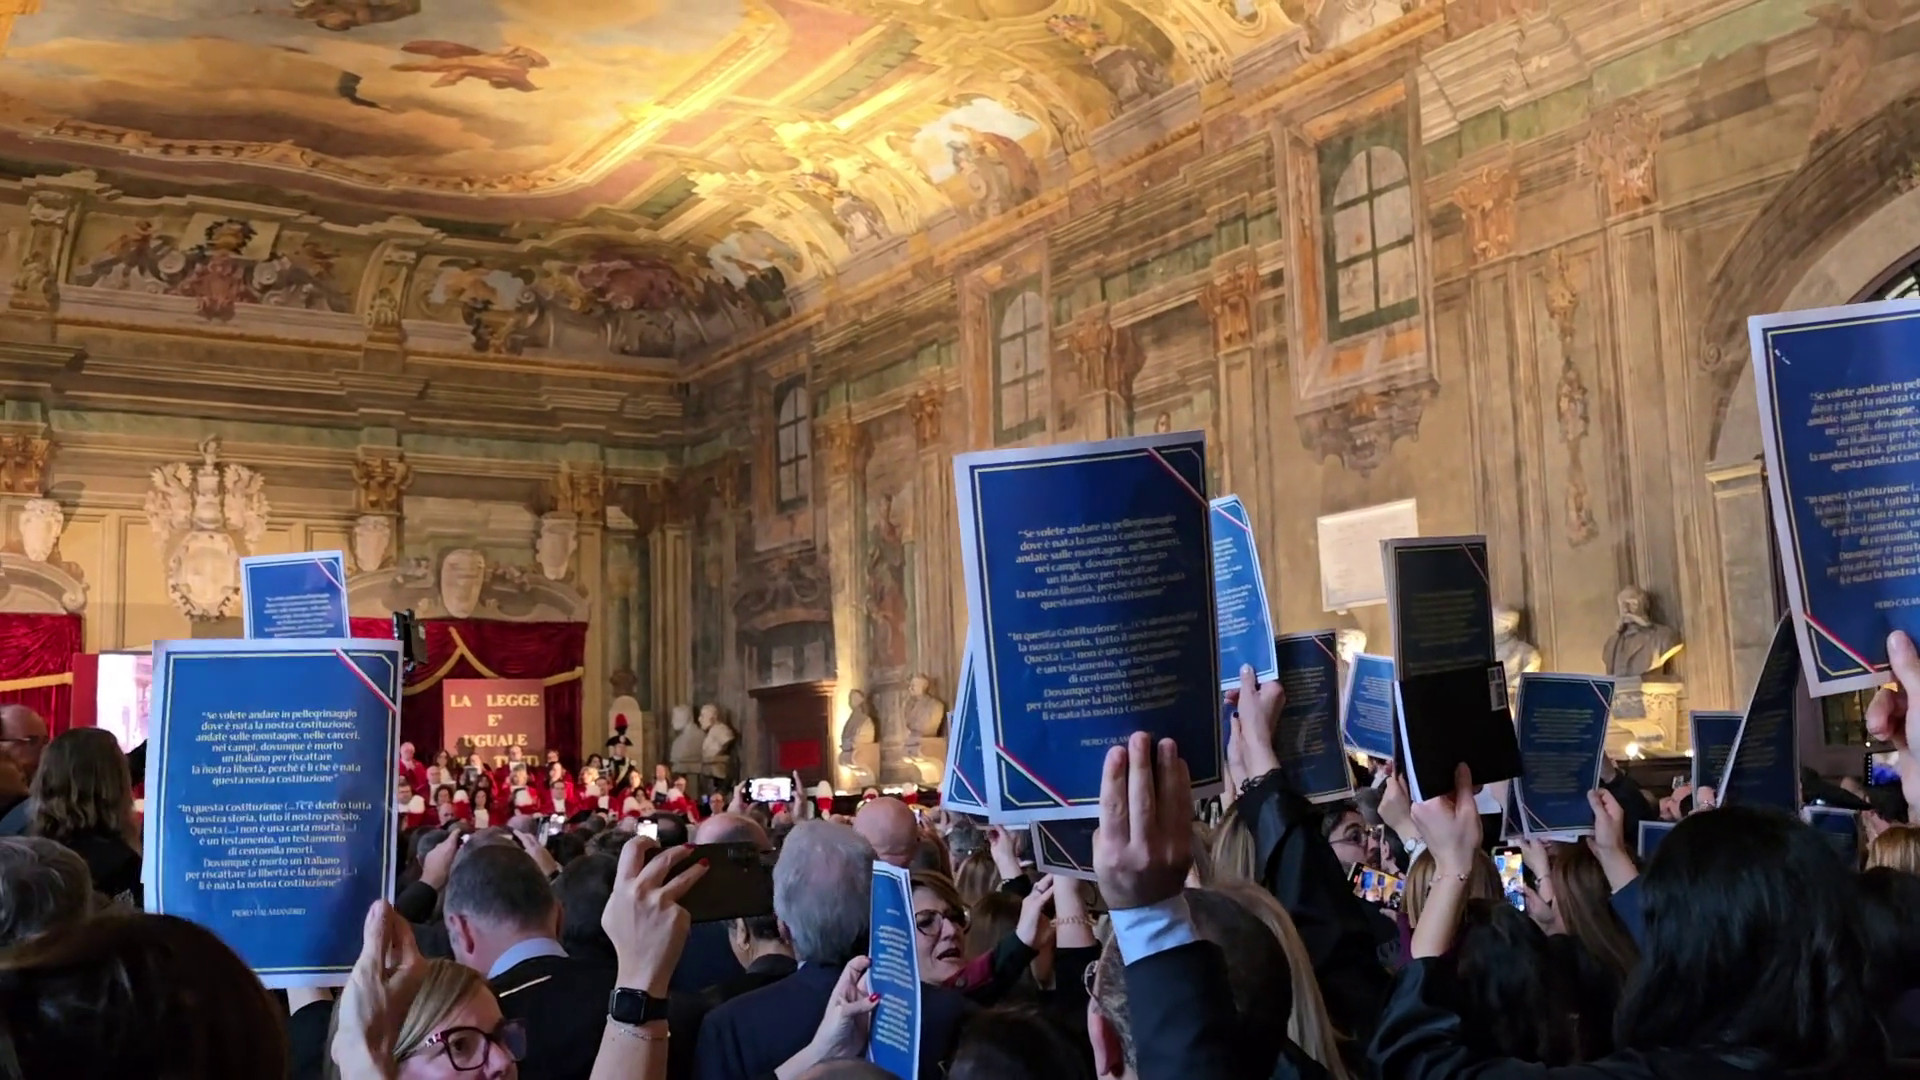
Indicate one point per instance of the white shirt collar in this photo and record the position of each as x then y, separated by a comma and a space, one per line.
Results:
524, 951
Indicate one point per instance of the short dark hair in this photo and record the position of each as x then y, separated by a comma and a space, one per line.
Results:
672, 829
43, 886
1751, 948
1018, 1044
582, 889
501, 885
565, 847
763, 928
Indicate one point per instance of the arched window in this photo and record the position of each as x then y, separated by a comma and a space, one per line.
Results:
1020, 363
1370, 244
793, 446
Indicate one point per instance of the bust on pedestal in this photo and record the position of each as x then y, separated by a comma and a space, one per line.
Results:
859, 727
716, 745
1645, 701
688, 741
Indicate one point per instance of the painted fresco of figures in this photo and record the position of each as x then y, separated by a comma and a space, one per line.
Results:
982, 155
219, 262
886, 590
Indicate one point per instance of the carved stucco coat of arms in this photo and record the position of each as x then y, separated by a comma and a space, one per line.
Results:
204, 517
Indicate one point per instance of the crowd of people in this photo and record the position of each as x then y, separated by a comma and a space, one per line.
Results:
1220, 942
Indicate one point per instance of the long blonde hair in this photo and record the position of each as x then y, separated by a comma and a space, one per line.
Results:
83, 788
1483, 883
447, 986
1897, 848
1234, 854
1308, 1026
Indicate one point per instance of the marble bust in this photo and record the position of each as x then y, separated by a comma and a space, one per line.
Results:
853, 731
716, 743
688, 741
1514, 653
1638, 645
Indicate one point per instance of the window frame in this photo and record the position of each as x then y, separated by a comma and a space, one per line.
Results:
795, 455
1031, 383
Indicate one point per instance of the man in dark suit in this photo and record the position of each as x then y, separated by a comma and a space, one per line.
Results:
821, 891
504, 922
765, 956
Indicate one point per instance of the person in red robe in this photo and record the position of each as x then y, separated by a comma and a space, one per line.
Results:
559, 794
412, 768
479, 806
520, 797
412, 808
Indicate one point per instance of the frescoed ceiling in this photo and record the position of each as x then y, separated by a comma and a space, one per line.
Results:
757, 141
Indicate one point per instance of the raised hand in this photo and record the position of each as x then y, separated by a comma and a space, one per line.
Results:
1450, 824
1256, 711
1887, 714
380, 991
1035, 929
1609, 840
643, 917
1143, 848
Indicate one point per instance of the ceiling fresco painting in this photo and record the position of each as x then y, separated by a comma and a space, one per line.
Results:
659, 175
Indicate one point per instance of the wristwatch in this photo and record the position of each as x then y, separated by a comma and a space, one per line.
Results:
635, 1007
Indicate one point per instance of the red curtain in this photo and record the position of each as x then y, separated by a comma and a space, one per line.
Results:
36, 664
554, 652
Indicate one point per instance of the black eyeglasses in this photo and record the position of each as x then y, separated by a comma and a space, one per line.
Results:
928, 922
469, 1048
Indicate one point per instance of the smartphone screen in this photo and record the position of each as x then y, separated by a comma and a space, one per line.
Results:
648, 829
1512, 867
771, 789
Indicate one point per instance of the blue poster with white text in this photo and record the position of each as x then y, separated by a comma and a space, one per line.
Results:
294, 596
1306, 735
893, 1035
1839, 396
1713, 735
1089, 583
1240, 596
270, 793
1370, 704
1562, 729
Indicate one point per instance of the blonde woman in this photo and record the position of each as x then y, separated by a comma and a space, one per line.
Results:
1897, 848
452, 1028
1308, 1026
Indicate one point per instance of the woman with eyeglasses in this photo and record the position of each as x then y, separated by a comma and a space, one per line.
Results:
940, 935
453, 1028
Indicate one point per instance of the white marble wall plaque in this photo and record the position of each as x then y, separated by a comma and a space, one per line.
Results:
1350, 569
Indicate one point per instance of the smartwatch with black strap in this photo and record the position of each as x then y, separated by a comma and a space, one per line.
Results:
635, 1007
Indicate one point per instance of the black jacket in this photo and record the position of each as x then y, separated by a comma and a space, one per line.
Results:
1420, 1038
1338, 928
752, 1035
563, 1002
687, 1012
114, 863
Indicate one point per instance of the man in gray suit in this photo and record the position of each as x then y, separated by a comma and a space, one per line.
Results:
23, 735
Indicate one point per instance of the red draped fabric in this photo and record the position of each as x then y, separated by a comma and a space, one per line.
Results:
553, 652
36, 664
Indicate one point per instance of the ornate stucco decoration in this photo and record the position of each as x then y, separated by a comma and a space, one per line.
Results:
204, 517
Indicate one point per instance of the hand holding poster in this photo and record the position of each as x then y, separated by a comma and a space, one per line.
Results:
893, 1039
1441, 611
270, 783
1763, 768
1240, 596
294, 596
1838, 397
1306, 734
1089, 583
1562, 733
